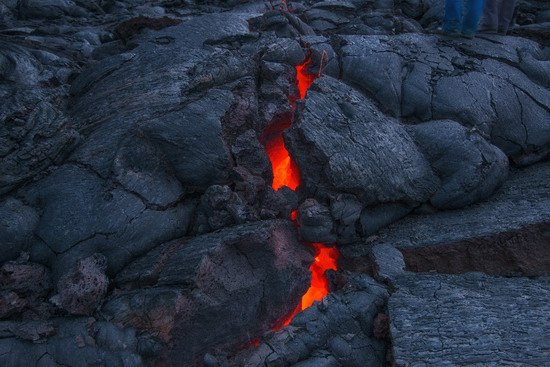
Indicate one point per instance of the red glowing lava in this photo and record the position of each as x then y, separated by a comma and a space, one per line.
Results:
325, 258
285, 170
304, 79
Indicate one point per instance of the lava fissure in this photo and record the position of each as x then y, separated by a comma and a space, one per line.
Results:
286, 173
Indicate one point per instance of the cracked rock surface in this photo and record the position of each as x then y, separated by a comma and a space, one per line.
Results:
470, 320
136, 186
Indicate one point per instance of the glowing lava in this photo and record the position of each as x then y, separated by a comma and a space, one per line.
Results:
303, 78
285, 170
325, 258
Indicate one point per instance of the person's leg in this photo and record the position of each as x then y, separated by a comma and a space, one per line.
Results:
489, 19
506, 13
471, 19
453, 16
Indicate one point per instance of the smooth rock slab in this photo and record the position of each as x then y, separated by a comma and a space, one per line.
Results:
469, 167
82, 214
505, 235
470, 320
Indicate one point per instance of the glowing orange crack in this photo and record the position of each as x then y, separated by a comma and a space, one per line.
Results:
325, 258
286, 173
285, 170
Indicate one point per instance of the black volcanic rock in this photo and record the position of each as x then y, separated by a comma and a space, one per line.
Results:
470, 320
68, 342
18, 223
477, 83
315, 223
507, 234
236, 282
83, 214
49, 9
342, 143
127, 124
336, 332
23, 287
469, 167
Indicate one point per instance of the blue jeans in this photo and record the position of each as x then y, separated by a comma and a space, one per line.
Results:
455, 22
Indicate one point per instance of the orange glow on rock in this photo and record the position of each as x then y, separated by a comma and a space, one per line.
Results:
285, 170
304, 79
325, 258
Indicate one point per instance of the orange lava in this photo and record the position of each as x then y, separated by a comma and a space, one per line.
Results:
303, 78
285, 170
325, 258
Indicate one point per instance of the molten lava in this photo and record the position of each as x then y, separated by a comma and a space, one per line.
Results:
285, 170
303, 78
325, 258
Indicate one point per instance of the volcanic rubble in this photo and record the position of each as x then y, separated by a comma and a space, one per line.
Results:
182, 183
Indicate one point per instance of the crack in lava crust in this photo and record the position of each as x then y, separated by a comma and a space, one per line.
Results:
286, 173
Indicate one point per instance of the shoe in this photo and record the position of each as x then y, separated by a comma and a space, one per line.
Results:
449, 33
487, 30
468, 35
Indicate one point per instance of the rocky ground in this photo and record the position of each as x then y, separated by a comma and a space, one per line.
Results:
139, 227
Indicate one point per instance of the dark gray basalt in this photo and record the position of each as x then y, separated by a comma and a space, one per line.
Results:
477, 83
470, 169
505, 235
470, 320
135, 187
339, 331
68, 342
342, 143
236, 282
83, 214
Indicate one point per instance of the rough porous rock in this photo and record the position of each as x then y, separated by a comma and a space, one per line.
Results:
236, 282
82, 289
342, 143
23, 287
470, 320
68, 342
339, 331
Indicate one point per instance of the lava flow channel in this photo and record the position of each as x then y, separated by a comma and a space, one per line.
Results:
286, 173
